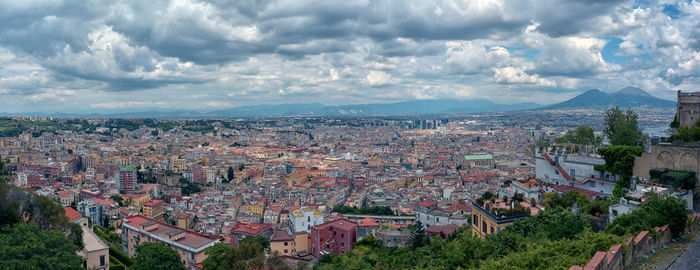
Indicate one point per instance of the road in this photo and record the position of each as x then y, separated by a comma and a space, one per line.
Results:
689, 258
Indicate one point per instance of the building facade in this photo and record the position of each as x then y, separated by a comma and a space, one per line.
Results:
190, 245
485, 222
575, 171
126, 179
153, 209
302, 219
334, 237
688, 108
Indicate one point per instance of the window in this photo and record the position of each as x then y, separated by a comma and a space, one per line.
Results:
342, 235
308, 219
491, 229
498, 229
285, 251
476, 220
592, 183
437, 219
102, 260
483, 226
285, 244
342, 244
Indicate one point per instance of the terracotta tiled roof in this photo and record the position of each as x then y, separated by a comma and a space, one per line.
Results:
281, 235
71, 213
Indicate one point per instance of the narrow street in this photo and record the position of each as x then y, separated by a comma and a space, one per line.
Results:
689, 258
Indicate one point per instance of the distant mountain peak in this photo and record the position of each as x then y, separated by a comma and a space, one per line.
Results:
625, 97
632, 91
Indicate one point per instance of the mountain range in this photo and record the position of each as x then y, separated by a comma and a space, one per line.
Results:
626, 97
593, 99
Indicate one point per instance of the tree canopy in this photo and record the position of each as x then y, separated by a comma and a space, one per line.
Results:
249, 255
155, 256
619, 160
26, 246
582, 135
687, 134
655, 212
369, 210
622, 128
553, 239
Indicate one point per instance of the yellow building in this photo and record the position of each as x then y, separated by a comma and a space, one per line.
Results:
282, 242
137, 200
286, 244
256, 208
484, 222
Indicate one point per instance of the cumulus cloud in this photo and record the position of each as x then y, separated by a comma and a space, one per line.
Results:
378, 78
228, 53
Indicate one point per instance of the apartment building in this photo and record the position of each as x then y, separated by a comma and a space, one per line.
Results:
190, 245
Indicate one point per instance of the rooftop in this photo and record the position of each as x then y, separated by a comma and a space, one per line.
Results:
478, 157
71, 213
91, 241
191, 238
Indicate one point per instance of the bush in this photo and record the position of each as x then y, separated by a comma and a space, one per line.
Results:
119, 255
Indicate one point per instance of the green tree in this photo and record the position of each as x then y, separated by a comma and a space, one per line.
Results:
654, 212
26, 246
619, 160
675, 123
150, 256
9, 209
260, 240
249, 255
419, 236
229, 174
216, 255
622, 128
118, 199
582, 135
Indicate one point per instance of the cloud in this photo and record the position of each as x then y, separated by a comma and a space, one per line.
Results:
168, 52
126, 104
51, 95
377, 78
513, 75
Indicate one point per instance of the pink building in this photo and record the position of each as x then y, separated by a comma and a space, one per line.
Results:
333, 237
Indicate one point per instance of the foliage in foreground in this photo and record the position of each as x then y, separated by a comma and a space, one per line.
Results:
370, 210
155, 256
527, 244
553, 239
619, 160
26, 246
249, 255
655, 212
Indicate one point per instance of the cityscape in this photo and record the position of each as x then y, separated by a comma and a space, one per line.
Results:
350, 135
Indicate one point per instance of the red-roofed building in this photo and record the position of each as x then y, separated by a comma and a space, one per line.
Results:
190, 245
73, 215
153, 209
282, 242
334, 237
441, 230
244, 230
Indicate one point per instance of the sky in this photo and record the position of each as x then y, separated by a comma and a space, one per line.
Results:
99, 56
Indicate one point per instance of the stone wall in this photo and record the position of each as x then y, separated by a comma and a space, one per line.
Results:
688, 108
626, 254
674, 156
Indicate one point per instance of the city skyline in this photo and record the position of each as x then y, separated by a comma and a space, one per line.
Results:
67, 56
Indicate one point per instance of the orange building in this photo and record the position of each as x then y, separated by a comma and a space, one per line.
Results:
153, 209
